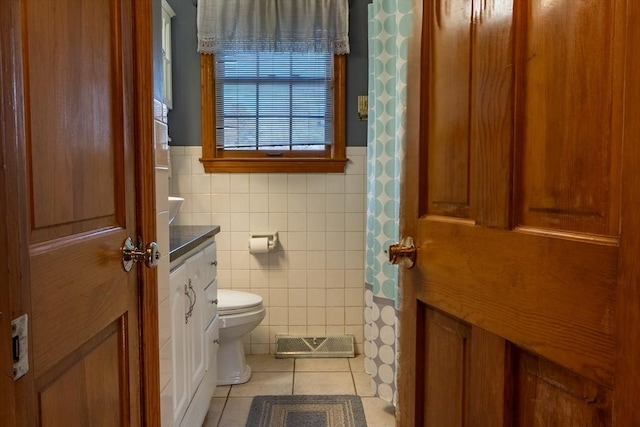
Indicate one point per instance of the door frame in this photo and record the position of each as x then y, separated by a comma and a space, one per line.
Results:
146, 210
407, 366
18, 397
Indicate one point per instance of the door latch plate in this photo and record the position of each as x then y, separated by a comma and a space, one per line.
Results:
20, 346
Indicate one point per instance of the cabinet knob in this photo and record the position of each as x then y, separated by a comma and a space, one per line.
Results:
216, 341
214, 263
215, 301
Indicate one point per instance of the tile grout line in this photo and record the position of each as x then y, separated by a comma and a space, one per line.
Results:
293, 379
226, 400
353, 380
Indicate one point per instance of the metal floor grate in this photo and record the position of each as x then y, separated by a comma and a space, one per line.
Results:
299, 346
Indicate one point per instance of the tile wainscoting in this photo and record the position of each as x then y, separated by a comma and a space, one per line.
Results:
312, 283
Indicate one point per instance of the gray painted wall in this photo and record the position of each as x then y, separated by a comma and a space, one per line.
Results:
185, 119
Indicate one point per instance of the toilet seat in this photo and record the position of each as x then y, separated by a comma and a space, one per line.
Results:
237, 302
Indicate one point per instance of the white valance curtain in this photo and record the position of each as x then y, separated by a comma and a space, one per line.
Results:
273, 26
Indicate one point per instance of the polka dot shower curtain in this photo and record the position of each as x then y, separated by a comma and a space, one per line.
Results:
389, 26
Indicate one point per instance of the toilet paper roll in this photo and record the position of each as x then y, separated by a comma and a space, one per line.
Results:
258, 245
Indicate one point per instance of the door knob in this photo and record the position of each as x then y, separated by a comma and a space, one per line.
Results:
130, 254
403, 253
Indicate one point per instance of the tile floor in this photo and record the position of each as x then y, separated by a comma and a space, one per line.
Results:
230, 404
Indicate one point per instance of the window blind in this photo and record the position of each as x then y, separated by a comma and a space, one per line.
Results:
275, 101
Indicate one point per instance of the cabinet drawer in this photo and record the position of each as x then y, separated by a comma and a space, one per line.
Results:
211, 260
211, 302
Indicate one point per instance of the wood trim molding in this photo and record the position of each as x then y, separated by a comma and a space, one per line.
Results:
16, 397
282, 165
408, 412
146, 207
625, 411
207, 103
8, 207
339, 107
217, 160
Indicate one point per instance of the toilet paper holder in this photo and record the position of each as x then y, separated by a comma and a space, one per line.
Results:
272, 238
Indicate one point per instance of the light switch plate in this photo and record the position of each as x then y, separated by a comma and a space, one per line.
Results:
363, 107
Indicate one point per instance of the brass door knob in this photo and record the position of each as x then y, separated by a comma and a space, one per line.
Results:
131, 254
403, 253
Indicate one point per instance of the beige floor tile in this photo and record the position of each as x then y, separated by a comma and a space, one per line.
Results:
323, 383
322, 365
357, 363
269, 363
222, 391
378, 412
236, 412
215, 412
263, 383
363, 384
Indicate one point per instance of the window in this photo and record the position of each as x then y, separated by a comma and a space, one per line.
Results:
273, 112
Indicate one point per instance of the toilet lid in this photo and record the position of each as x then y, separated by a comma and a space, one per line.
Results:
236, 300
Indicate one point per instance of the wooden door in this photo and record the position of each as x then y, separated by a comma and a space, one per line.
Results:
521, 192
80, 73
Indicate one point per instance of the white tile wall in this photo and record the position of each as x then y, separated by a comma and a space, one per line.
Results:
313, 283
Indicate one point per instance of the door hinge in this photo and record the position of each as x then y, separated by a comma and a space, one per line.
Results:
20, 346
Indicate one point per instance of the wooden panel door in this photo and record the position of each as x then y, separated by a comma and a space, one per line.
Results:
76, 115
521, 192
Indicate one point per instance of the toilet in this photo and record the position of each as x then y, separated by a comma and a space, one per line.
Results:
240, 313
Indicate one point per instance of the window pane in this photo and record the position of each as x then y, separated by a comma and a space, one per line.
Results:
274, 64
240, 65
273, 130
307, 66
238, 133
308, 131
239, 99
309, 99
274, 100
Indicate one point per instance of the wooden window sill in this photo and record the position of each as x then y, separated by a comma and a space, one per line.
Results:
282, 165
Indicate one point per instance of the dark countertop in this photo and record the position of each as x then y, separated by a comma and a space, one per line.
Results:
183, 238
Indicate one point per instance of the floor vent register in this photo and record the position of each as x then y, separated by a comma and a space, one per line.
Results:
301, 346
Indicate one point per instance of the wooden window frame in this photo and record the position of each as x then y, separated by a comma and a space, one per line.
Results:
333, 159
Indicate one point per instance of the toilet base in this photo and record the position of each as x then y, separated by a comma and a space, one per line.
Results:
232, 365
237, 379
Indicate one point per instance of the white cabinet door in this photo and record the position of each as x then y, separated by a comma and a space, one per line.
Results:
212, 339
196, 269
178, 280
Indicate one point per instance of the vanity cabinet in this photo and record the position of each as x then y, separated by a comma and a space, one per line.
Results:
194, 329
